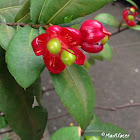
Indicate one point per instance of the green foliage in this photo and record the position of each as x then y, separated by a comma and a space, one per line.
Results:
6, 138
94, 57
16, 104
41, 30
76, 26
6, 33
22, 62
72, 23
98, 128
23, 15
107, 19
75, 89
2, 19
133, 3
137, 27
37, 7
9, 8
48, 12
67, 133
3, 122
87, 65
107, 52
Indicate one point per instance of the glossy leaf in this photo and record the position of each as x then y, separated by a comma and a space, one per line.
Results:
107, 19
56, 13
73, 22
2, 19
41, 30
9, 8
107, 52
98, 128
91, 60
137, 27
6, 33
75, 89
23, 15
16, 103
76, 26
67, 133
6, 138
94, 57
37, 7
36, 91
22, 62
3, 122
133, 3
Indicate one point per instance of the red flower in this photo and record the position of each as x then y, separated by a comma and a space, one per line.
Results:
129, 16
59, 44
94, 36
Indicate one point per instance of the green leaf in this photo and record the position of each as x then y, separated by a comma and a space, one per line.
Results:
73, 22
18, 27
16, 104
23, 15
75, 89
36, 90
67, 133
92, 138
91, 60
41, 30
133, 3
76, 26
3, 122
98, 57
23, 64
107, 52
82, 138
107, 19
54, 12
94, 57
137, 27
37, 7
2, 19
9, 8
6, 138
6, 33
98, 128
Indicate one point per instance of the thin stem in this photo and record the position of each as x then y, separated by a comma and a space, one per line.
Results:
57, 117
115, 108
24, 24
119, 28
118, 107
7, 131
119, 31
46, 26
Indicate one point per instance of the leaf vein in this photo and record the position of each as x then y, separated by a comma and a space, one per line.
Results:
59, 11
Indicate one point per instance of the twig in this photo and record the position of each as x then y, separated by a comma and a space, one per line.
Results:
57, 117
103, 108
46, 26
117, 107
49, 89
119, 28
7, 131
24, 24
119, 31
